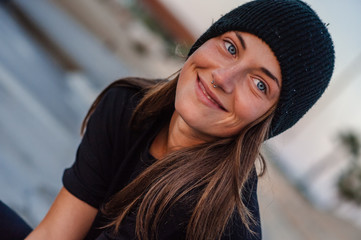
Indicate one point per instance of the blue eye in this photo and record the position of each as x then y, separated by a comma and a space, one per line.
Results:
230, 48
260, 85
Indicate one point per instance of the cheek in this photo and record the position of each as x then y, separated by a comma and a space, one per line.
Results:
184, 98
189, 112
249, 111
183, 90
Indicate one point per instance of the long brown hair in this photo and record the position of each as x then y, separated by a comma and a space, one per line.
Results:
208, 177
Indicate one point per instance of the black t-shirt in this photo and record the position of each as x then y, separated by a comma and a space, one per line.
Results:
111, 155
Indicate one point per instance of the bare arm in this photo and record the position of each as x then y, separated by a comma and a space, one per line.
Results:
68, 218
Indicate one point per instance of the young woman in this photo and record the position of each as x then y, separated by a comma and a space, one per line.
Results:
174, 159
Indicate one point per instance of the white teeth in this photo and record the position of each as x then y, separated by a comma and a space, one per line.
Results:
205, 93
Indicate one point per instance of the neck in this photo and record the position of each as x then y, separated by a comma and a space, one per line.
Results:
178, 134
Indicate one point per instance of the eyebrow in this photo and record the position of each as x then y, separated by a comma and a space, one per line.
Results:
264, 70
268, 73
241, 40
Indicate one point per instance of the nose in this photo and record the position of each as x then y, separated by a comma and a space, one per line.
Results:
226, 77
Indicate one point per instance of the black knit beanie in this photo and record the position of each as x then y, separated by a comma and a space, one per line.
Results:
299, 40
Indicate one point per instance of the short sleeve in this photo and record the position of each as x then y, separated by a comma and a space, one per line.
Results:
90, 175
235, 229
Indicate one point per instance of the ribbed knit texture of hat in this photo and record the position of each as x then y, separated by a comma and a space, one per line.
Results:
301, 44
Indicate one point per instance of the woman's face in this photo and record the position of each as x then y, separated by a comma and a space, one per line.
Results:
248, 83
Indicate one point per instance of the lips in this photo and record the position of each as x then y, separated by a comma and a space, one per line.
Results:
213, 98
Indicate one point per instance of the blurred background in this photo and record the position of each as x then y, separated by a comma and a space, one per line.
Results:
57, 55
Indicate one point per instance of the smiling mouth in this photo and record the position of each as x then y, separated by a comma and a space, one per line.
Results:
205, 92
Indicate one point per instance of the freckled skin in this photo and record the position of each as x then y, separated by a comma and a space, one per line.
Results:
239, 89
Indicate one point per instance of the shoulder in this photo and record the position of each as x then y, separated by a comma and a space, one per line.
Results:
113, 106
116, 100
126, 91
121, 95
